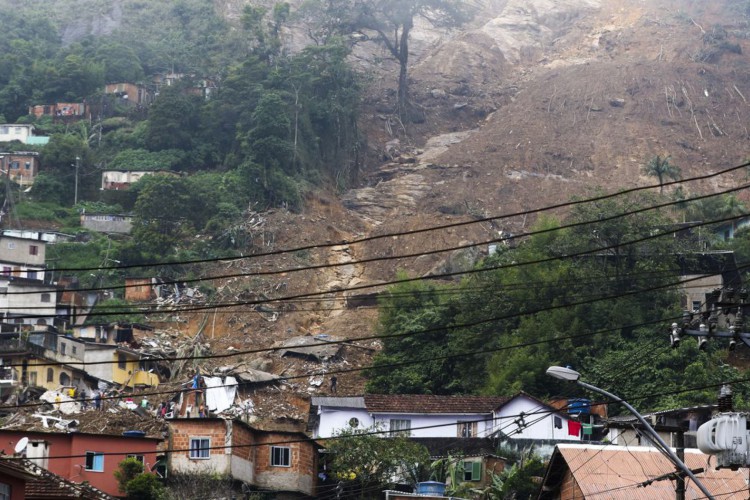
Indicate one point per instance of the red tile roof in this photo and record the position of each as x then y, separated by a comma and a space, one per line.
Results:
419, 403
42, 484
615, 472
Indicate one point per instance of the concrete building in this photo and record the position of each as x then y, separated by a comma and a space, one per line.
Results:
21, 166
22, 257
82, 457
16, 132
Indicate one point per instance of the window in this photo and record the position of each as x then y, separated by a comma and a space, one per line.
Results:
353, 422
137, 457
32, 378
14, 165
697, 304
95, 461
32, 276
50, 375
467, 429
7, 270
11, 245
4, 491
46, 297
400, 427
73, 349
121, 361
27, 165
33, 249
200, 448
281, 456
63, 347
472, 471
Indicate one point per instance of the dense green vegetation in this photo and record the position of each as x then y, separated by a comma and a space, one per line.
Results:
276, 124
605, 312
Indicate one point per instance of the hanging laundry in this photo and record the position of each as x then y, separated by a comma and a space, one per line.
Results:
588, 429
558, 422
574, 428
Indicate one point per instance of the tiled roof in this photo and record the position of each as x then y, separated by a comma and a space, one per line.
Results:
339, 402
614, 472
419, 403
42, 484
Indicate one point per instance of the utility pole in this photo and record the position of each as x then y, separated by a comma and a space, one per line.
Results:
75, 195
680, 450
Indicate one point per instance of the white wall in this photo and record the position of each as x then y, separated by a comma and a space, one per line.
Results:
101, 371
437, 425
14, 132
335, 419
20, 300
539, 421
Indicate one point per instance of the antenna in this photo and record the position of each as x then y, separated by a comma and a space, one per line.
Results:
21, 445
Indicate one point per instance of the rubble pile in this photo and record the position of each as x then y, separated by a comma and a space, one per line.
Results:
114, 420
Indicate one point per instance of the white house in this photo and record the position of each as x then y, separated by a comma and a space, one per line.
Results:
22, 257
519, 417
27, 301
15, 132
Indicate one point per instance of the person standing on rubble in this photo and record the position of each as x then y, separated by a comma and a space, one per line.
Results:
197, 386
334, 382
98, 400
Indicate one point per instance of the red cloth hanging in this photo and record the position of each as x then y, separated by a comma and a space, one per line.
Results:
574, 428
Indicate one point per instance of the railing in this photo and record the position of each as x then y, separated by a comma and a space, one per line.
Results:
13, 345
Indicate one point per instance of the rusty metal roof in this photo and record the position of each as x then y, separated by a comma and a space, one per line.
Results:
616, 472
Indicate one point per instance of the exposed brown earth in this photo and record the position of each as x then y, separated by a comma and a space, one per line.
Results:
540, 101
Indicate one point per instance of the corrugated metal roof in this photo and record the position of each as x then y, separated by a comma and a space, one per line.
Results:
336, 402
422, 404
615, 472
677, 411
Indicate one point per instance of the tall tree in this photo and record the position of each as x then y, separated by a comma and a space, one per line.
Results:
392, 22
661, 168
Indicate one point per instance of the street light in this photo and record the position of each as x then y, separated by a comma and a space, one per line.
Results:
570, 375
75, 196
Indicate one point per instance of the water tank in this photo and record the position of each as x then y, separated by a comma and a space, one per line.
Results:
579, 406
431, 488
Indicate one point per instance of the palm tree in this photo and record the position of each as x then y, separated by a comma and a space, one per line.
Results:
660, 168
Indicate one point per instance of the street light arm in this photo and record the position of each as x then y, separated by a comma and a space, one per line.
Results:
652, 435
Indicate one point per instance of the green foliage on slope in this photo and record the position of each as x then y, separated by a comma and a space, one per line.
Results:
605, 312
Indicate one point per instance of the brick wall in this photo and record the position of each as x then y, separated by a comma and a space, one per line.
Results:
242, 440
301, 474
181, 433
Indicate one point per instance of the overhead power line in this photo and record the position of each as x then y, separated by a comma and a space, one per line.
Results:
381, 337
424, 230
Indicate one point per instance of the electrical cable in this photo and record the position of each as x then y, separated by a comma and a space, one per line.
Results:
430, 252
433, 228
409, 280
429, 330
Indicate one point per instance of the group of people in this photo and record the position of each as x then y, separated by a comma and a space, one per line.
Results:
81, 396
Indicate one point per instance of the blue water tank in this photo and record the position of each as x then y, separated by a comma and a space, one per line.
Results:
579, 406
431, 488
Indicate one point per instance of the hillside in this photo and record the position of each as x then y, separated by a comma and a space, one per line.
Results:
545, 101
531, 103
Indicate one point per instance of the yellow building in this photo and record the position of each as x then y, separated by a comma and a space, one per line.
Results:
130, 369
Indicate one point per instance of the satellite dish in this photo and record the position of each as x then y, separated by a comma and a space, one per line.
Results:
21, 445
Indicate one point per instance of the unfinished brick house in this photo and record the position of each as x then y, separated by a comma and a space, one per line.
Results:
279, 461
